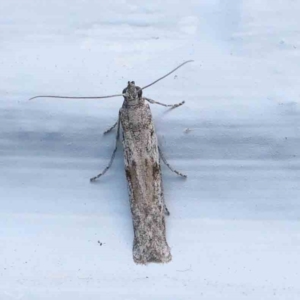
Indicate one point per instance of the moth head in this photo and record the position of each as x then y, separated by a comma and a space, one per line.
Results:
132, 92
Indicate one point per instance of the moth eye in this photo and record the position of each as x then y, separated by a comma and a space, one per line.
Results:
132, 82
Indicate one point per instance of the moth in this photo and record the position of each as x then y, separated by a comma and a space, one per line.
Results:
142, 156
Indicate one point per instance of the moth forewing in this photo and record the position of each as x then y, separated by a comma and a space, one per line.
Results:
143, 173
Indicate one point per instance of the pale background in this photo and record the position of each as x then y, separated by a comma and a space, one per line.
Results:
234, 224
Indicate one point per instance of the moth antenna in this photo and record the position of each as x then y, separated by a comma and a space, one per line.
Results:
167, 74
66, 97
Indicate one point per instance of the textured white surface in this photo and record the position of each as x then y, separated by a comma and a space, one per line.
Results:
234, 224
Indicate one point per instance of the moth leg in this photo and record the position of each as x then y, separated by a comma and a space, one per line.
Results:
168, 165
110, 129
166, 211
112, 157
166, 105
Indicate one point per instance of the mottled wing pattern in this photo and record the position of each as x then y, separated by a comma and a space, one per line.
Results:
143, 174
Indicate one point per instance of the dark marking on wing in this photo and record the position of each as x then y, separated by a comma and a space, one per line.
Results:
128, 175
151, 132
155, 170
